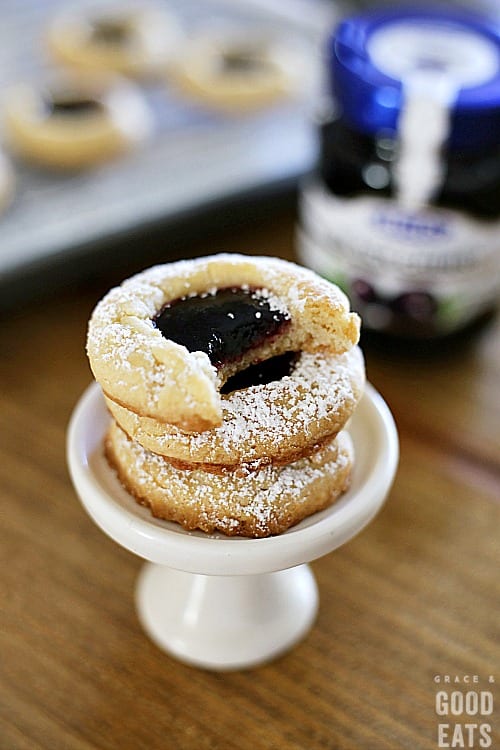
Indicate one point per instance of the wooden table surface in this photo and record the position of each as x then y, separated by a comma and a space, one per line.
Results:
414, 596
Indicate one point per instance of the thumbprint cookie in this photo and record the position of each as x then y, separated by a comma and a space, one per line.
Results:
164, 343
235, 72
229, 380
136, 40
300, 401
74, 122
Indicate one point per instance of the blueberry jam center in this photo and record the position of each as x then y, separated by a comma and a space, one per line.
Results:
110, 31
262, 373
224, 325
242, 61
72, 107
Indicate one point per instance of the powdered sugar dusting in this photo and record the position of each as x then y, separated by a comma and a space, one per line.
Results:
154, 377
275, 419
259, 499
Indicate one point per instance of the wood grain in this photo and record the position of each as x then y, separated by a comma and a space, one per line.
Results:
415, 595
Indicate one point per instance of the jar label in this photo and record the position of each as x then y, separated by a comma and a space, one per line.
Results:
441, 263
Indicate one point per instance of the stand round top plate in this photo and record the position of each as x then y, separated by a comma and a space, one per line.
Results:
132, 526
219, 602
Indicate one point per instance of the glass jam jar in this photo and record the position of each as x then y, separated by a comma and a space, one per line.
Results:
404, 209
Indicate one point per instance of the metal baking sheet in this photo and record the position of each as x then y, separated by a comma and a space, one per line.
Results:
195, 158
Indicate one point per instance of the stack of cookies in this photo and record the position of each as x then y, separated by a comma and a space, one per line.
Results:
229, 380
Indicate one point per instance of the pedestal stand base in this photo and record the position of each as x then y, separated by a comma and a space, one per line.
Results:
229, 603
226, 622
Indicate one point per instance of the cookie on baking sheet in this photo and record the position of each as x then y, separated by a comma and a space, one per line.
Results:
277, 421
134, 39
236, 72
251, 502
164, 343
75, 122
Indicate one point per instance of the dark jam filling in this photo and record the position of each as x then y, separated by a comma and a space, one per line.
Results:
110, 31
72, 107
224, 325
262, 373
241, 61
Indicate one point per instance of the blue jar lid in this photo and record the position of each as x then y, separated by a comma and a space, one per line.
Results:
372, 54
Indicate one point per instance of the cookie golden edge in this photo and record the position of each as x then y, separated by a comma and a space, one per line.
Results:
140, 370
248, 503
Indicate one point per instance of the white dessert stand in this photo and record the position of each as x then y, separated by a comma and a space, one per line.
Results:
219, 602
